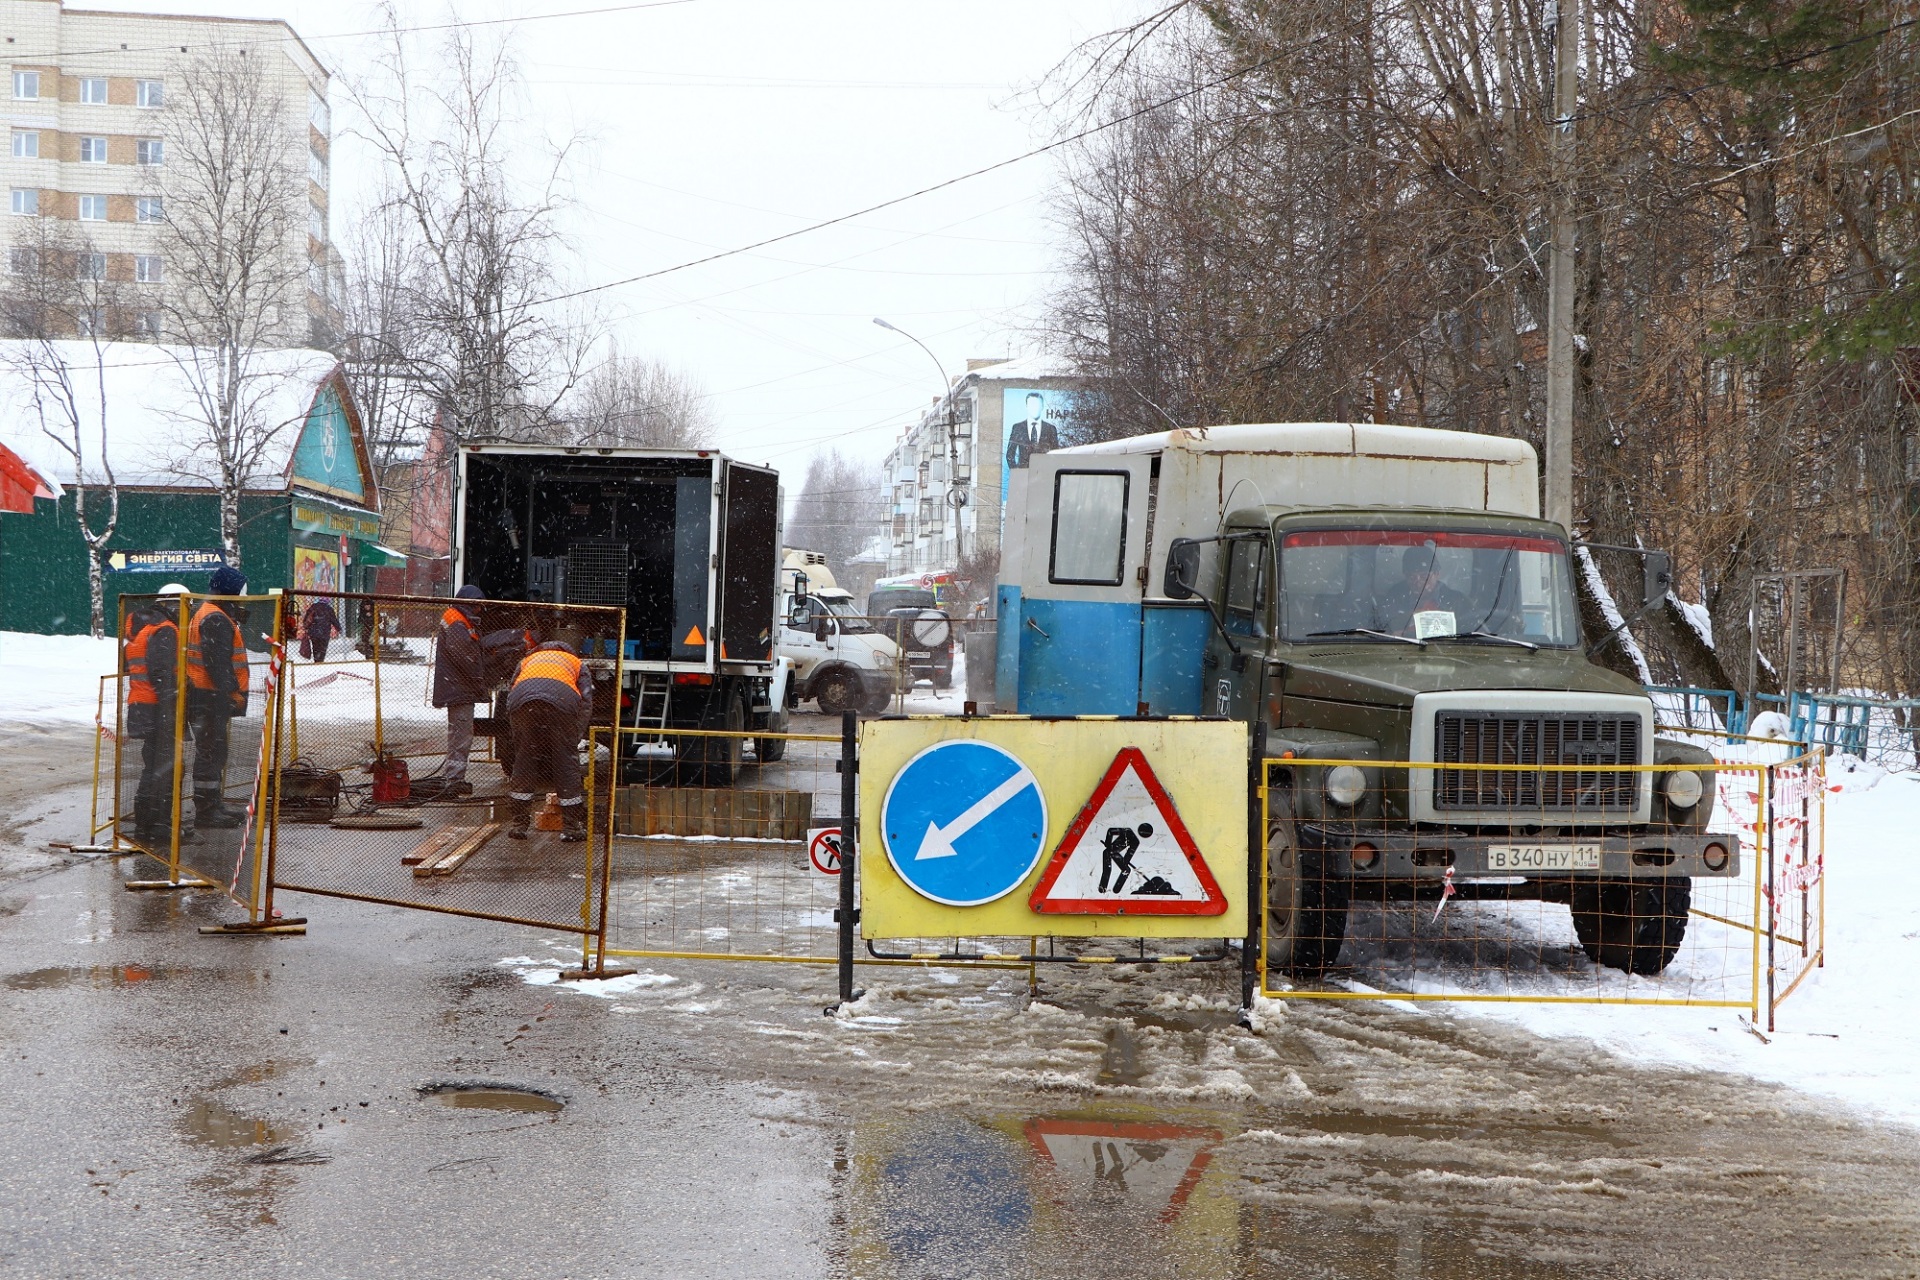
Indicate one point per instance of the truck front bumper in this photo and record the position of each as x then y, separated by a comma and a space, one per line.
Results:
1405, 853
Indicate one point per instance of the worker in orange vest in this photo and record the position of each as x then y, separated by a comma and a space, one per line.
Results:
152, 691
549, 709
217, 685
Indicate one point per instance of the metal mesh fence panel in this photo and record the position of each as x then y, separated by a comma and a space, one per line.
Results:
383, 796
1580, 887
744, 869
197, 698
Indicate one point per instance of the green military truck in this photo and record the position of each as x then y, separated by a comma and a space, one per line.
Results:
1382, 596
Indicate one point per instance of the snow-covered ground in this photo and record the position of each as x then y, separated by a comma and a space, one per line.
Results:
1847, 1034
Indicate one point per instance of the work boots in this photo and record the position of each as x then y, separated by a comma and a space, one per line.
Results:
210, 813
519, 813
573, 823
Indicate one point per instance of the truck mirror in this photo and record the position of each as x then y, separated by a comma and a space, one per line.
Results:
822, 629
1183, 569
1659, 578
797, 612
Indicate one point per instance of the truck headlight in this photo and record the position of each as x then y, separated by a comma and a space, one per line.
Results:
1345, 785
1683, 789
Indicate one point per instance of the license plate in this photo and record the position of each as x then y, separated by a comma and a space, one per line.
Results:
1543, 857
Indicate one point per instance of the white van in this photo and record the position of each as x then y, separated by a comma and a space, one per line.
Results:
840, 660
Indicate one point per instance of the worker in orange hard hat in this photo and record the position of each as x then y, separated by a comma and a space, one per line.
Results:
549, 709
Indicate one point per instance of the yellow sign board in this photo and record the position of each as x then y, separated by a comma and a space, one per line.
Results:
1005, 826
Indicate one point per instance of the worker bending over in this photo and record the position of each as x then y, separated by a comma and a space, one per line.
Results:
549, 709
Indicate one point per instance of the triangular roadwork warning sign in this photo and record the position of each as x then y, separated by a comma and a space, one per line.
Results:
1141, 1168
1128, 853
694, 638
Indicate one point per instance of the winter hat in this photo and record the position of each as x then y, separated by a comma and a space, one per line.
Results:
227, 581
470, 592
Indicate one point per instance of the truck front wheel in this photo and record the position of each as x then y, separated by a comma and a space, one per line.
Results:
1635, 926
1306, 904
839, 692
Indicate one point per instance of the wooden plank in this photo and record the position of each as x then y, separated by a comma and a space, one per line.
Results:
432, 847
470, 842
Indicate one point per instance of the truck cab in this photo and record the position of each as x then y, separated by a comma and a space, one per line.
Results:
840, 659
1388, 601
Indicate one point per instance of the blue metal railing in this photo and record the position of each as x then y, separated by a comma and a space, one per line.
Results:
1885, 730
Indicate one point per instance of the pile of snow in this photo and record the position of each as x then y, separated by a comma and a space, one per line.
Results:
53, 679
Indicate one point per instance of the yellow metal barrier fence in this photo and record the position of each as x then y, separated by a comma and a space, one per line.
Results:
1725, 913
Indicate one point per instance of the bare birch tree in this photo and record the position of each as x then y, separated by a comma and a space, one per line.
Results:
233, 202
59, 305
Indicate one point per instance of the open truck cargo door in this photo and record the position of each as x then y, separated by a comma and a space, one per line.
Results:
1084, 550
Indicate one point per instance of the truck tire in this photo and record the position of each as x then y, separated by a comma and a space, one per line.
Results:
1635, 926
1306, 905
838, 691
716, 762
768, 750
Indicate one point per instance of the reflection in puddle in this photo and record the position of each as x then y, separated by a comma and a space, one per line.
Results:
218, 1126
103, 975
493, 1097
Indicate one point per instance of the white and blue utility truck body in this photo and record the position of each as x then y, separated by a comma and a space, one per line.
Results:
1084, 626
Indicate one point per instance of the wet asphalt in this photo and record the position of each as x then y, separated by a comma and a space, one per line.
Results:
384, 1097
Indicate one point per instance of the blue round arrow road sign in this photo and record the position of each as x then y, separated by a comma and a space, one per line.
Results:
964, 822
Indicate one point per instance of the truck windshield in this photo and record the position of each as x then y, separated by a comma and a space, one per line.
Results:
851, 621
1426, 584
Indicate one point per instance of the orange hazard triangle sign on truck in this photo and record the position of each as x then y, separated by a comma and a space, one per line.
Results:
1128, 853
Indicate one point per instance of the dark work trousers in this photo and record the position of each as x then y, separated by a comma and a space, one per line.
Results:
317, 643
152, 803
545, 752
209, 726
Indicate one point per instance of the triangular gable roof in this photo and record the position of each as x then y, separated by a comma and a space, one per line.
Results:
152, 402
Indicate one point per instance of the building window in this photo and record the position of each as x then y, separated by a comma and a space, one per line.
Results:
94, 90
149, 151
23, 262
93, 150
148, 209
316, 170
148, 268
93, 208
26, 201
317, 223
26, 144
26, 84
90, 323
148, 93
318, 114
90, 266
150, 325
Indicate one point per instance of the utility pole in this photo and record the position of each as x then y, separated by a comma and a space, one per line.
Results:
1566, 93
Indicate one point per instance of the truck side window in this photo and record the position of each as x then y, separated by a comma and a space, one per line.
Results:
1247, 586
1089, 528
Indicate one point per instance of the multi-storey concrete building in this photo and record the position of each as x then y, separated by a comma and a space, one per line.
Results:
946, 478
86, 102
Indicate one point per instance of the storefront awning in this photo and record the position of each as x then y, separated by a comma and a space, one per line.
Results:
20, 484
380, 556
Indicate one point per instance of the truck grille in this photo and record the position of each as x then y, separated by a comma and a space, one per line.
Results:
1600, 739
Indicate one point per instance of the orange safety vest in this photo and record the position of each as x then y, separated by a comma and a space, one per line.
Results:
140, 690
551, 664
452, 616
196, 659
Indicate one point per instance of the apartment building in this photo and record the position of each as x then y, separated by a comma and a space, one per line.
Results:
86, 102
946, 479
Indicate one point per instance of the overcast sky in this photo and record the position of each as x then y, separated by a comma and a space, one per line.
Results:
716, 123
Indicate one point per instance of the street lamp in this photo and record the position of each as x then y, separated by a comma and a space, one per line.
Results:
956, 496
